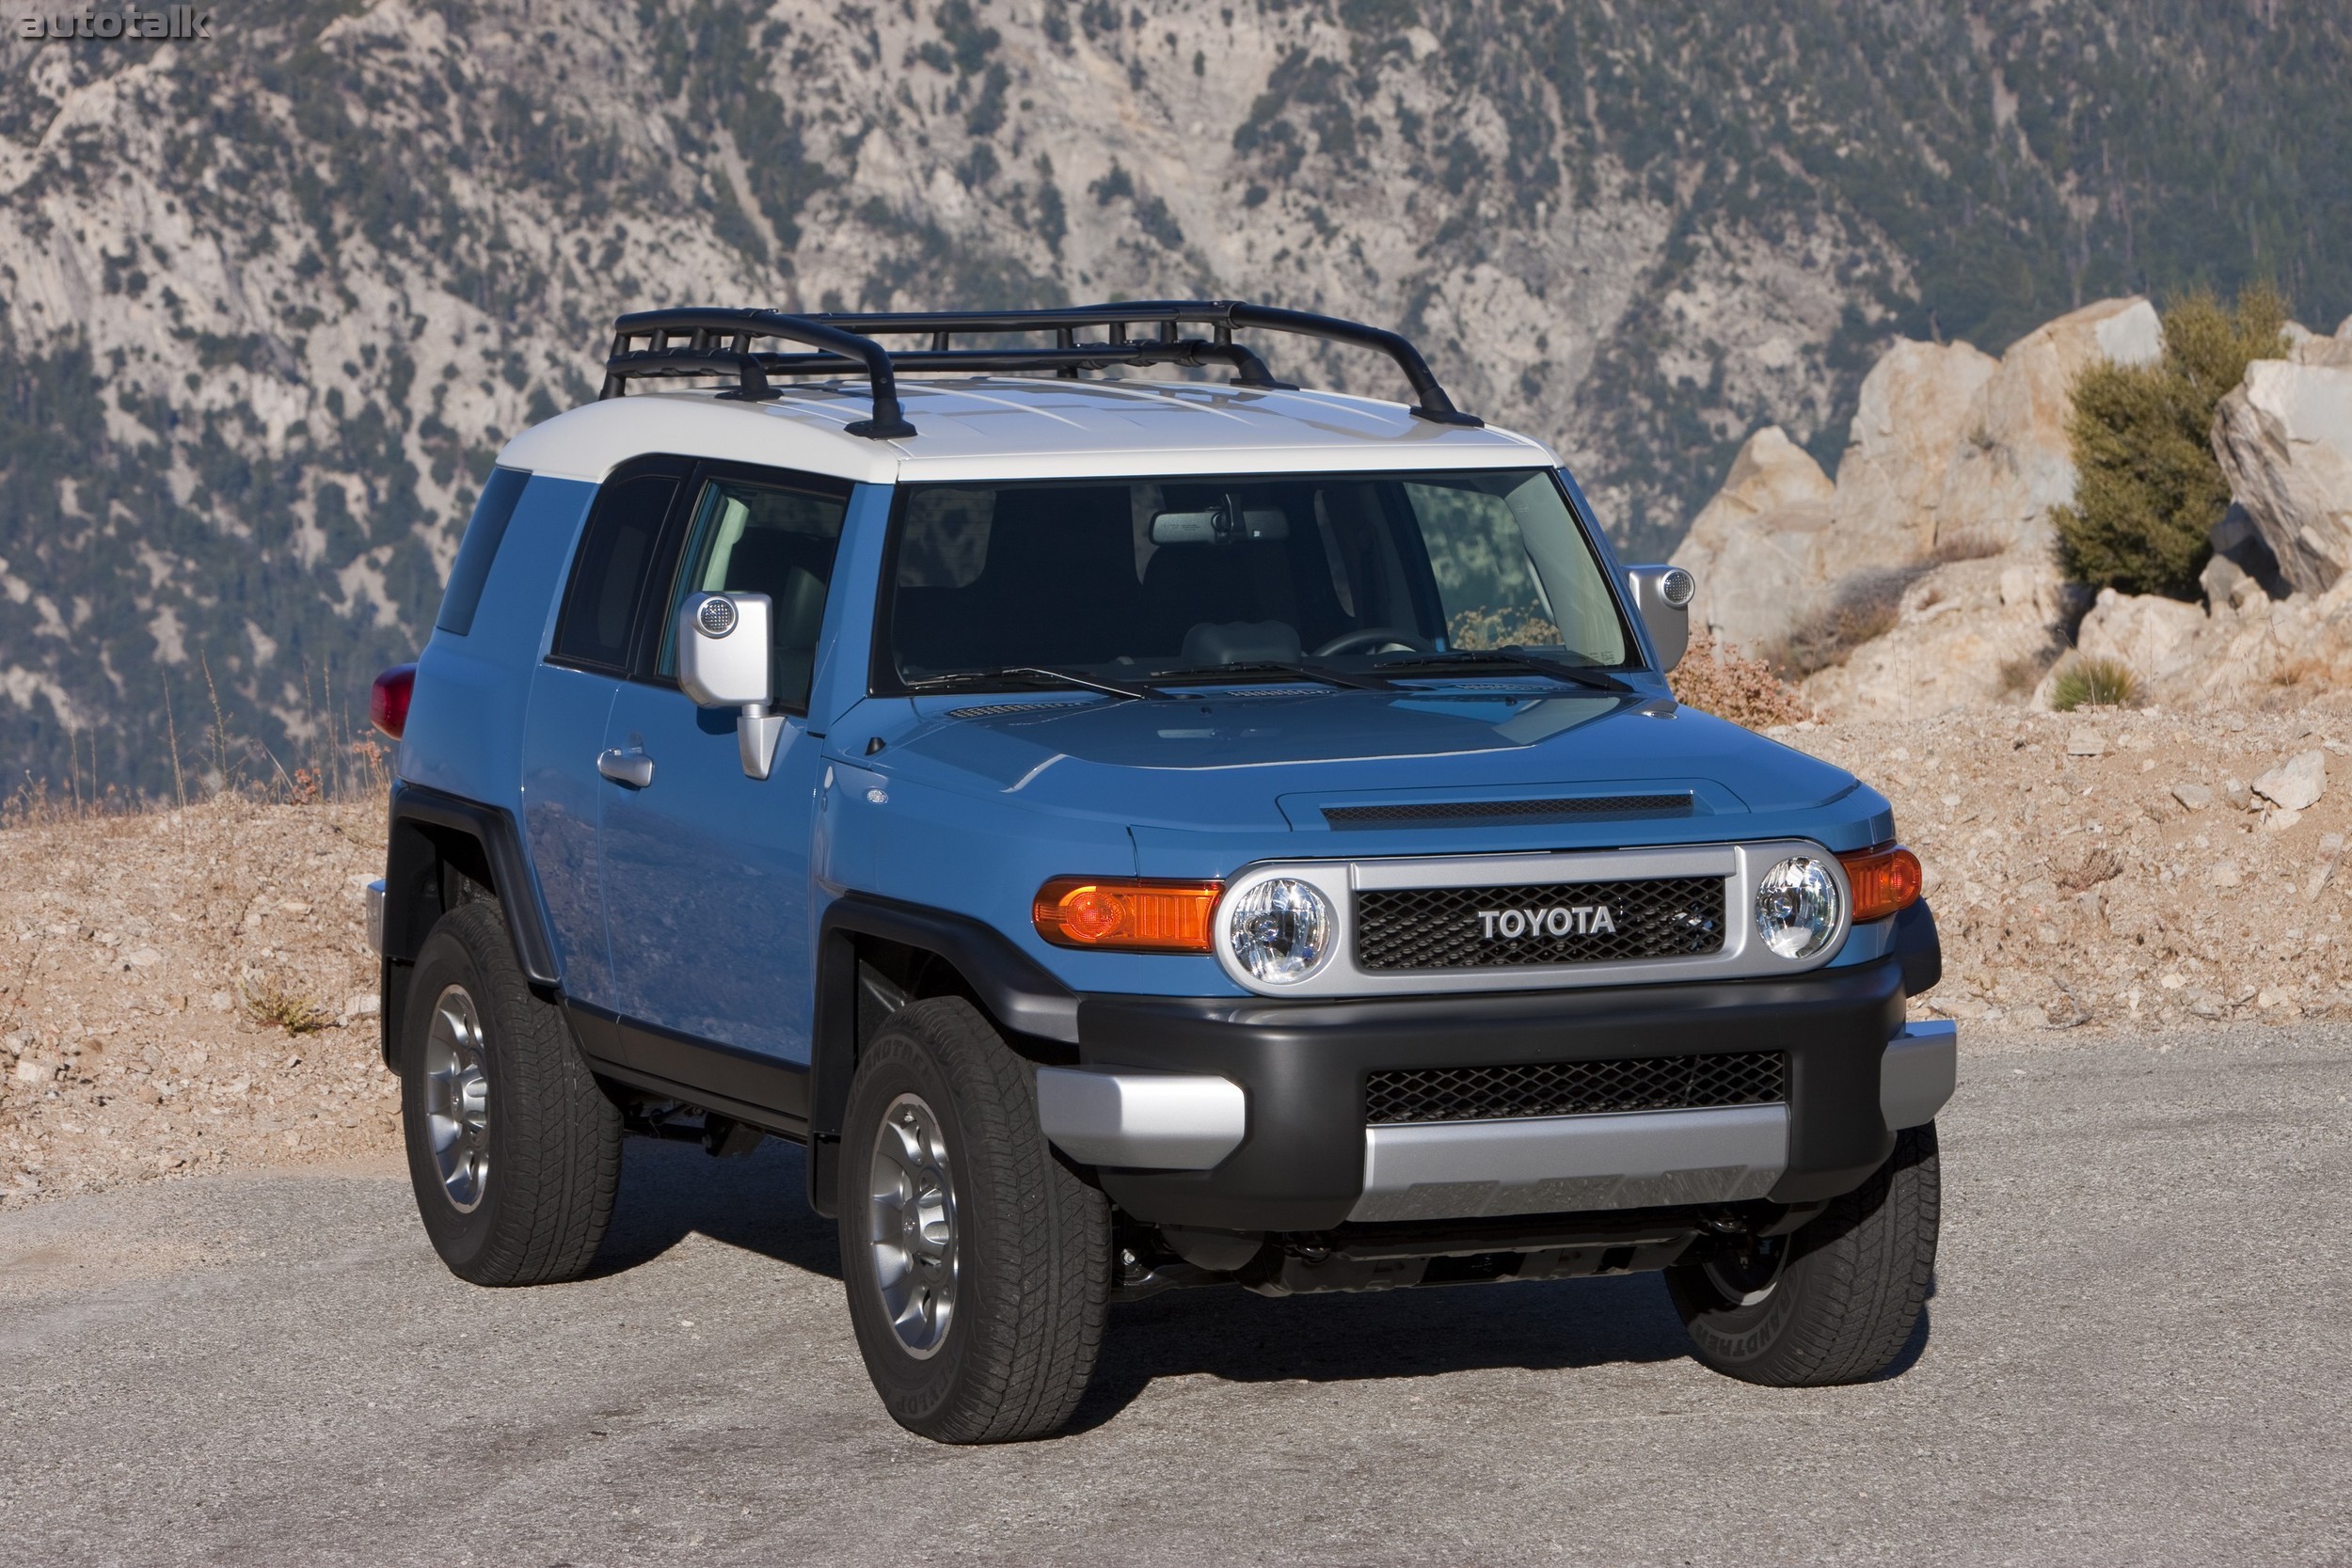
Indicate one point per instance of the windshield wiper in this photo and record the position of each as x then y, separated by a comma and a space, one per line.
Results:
1592, 680
1032, 674
1275, 667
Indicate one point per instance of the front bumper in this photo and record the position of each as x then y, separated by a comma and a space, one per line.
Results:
1302, 1158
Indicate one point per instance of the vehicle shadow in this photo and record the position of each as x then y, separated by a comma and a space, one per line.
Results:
670, 1191
1230, 1334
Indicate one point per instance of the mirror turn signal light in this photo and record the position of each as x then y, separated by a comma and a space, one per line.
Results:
1126, 914
1886, 882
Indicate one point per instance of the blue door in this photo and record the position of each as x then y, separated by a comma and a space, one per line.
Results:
706, 871
562, 793
705, 877
571, 701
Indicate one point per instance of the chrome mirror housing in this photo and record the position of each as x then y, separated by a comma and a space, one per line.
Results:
1663, 594
723, 661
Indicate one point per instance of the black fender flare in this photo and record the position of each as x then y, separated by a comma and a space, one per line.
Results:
428, 831
1037, 1013
1920, 949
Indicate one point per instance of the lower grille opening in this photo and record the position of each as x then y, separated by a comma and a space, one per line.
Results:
1575, 1088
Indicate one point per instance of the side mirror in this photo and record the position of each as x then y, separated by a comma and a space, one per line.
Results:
723, 648
1663, 594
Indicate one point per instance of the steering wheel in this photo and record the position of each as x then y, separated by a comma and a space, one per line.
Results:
1369, 639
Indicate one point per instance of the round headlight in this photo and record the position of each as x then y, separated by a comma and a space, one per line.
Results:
1282, 930
1797, 907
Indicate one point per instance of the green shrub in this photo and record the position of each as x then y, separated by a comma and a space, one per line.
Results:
2148, 488
2087, 682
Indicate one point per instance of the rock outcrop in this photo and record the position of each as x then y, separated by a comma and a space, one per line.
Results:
1752, 549
2284, 438
1929, 560
1967, 632
1780, 537
1942, 498
2014, 460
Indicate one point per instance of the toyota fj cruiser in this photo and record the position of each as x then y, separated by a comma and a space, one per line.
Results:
1133, 832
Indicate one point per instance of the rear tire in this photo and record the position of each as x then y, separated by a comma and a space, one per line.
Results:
514, 1149
977, 1265
1834, 1302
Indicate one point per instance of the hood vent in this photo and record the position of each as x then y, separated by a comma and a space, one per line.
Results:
1471, 813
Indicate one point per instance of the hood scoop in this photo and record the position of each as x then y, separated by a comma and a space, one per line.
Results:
1573, 808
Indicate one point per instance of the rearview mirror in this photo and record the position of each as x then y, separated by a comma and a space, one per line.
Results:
1663, 594
1221, 525
722, 649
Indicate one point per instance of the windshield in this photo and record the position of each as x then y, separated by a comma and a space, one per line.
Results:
1136, 577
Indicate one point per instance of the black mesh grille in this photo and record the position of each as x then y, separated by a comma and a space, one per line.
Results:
1490, 927
1574, 1088
1506, 811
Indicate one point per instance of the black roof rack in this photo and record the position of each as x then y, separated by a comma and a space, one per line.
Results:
692, 343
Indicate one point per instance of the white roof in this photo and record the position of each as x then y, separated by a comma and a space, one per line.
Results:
1019, 427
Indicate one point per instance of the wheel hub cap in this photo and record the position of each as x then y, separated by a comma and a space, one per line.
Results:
911, 1225
457, 1098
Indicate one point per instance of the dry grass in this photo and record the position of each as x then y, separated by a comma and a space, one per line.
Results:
269, 1004
1965, 545
2087, 868
1724, 682
2090, 682
1864, 606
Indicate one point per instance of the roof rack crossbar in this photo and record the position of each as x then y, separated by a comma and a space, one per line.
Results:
628, 362
844, 344
1430, 400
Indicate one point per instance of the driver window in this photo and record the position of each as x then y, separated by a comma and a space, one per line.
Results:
750, 536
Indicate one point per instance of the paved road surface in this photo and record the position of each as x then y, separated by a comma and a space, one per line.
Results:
2139, 1352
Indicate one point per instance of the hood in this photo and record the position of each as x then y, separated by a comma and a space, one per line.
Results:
1254, 762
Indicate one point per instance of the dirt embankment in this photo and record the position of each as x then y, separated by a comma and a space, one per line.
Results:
2087, 871
2115, 869
150, 967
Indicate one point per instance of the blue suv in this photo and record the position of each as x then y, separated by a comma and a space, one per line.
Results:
1133, 832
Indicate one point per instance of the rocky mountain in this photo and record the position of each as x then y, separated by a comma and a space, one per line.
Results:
270, 300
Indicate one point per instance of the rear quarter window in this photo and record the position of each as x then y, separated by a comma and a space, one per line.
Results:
492, 511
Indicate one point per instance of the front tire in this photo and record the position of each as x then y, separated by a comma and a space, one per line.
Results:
977, 1265
1835, 1301
514, 1149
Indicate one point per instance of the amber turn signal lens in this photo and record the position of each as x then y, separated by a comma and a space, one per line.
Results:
1886, 882
1126, 914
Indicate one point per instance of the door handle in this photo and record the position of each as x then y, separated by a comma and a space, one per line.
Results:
631, 768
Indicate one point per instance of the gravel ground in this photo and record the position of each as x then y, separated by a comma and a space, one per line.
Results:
2074, 887
2135, 1354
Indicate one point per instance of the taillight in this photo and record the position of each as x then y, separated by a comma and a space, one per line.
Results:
1884, 881
388, 701
1126, 914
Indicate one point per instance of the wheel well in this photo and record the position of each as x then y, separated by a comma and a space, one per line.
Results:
430, 868
862, 978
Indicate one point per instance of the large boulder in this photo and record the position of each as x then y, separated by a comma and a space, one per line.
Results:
1915, 406
1752, 549
2156, 638
2284, 436
2014, 460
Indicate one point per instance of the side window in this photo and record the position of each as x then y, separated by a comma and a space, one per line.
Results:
615, 552
775, 537
479, 549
